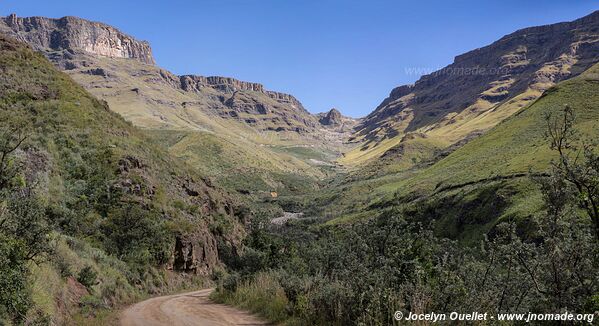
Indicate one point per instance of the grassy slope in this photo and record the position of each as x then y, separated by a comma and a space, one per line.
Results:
519, 143
516, 145
235, 154
71, 128
245, 166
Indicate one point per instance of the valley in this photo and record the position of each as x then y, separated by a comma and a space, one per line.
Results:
143, 183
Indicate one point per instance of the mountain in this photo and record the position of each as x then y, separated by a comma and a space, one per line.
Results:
478, 90
81, 47
482, 183
263, 140
117, 205
334, 119
72, 33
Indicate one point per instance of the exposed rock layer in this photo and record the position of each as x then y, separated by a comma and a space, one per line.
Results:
514, 70
77, 46
76, 34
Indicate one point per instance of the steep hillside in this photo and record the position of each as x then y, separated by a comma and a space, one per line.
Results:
86, 50
477, 91
485, 181
119, 210
242, 116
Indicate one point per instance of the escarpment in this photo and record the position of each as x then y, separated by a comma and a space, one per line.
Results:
121, 70
482, 87
73, 33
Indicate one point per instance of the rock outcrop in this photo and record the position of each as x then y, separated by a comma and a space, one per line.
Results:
231, 85
331, 118
195, 253
72, 33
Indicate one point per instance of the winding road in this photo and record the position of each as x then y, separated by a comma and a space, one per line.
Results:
187, 309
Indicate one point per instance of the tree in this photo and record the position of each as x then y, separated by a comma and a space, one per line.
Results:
14, 297
135, 234
12, 136
578, 163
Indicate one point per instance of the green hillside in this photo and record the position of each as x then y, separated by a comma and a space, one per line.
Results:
246, 167
90, 208
519, 143
480, 183
490, 227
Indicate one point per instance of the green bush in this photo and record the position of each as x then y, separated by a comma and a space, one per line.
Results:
230, 282
138, 235
87, 276
15, 298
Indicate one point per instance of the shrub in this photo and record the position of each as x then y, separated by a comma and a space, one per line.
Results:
87, 276
230, 282
15, 298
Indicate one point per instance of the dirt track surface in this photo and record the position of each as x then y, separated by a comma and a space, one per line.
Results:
193, 308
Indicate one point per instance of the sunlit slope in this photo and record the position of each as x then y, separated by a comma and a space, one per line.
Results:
477, 91
238, 155
484, 181
518, 144
248, 167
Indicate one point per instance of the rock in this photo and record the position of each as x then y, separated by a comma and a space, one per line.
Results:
96, 72
332, 118
195, 253
76, 34
225, 84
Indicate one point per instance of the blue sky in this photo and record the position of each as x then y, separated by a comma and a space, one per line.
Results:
328, 53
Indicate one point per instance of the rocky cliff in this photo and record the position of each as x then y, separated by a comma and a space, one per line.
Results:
80, 47
231, 85
72, 33
484, 86
331, 118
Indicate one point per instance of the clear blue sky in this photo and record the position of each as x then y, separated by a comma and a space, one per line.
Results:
328, 53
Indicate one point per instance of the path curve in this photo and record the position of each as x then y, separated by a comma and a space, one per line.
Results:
187, 309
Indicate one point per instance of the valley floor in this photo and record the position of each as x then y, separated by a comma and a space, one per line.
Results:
187, 309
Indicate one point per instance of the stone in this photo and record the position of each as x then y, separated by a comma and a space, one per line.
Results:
332, 118
72, 33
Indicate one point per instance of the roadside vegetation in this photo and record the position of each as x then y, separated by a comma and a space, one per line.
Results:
362, 273
89, 207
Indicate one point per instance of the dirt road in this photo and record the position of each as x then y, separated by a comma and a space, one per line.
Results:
193, 308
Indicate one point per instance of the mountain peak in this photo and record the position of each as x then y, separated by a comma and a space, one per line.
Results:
76, 34
332, 118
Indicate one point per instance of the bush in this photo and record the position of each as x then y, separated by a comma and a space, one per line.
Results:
230, 282
88, 277
15, 297
262, 294
138, 235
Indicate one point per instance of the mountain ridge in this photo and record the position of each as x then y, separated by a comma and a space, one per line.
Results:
480, 88
71, 32
78, 34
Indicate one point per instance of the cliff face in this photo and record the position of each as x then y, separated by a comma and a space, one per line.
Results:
331, 118
484, 86
80, 47
72, 33
230, 85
